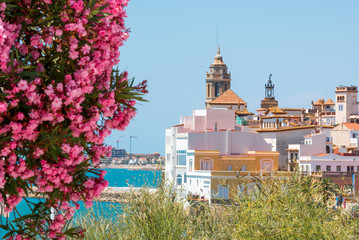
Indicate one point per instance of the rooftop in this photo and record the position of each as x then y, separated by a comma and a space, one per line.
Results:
352, 126
286, 129
228, 98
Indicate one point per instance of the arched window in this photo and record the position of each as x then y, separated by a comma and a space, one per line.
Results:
216, 93
179, 179
207, 164
328, 149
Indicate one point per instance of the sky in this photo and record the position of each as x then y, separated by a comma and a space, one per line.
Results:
309, 47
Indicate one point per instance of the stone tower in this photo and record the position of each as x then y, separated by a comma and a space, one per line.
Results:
218, 79
346, 103
269, 99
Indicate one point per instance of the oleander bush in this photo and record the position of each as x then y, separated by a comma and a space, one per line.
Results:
287, 208
60, 96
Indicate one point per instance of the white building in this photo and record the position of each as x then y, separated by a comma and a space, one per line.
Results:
324, 111
280, 139
209, 146
347, 106
346, 135
315, 155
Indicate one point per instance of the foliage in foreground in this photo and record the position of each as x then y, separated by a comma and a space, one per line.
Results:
59, 98
288, 208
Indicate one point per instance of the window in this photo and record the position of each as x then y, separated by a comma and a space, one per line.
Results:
328, 168
190, 167
244, 168
341, 99
229, 167
223, 192
181, 157
206, 164
185, 178
317, 168
340, 107
179, 179
216, 92
357, 168
327, 149
339, 168
350, 168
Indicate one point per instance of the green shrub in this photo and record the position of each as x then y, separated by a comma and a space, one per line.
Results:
274, 208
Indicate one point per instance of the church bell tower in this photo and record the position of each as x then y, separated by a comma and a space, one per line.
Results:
218, 79
269, 99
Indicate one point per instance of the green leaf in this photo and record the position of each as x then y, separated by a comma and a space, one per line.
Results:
4, 227
22, 218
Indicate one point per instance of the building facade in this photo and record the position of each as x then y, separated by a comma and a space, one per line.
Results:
346, 135
347, 106
281, 139
207, 150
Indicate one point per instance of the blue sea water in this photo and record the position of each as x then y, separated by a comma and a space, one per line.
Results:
116, 178
134, 178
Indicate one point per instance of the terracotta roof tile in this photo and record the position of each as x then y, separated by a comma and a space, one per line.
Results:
352, 126
228, 97
329, 102
321, 154
244, 112
319, 102
275, 110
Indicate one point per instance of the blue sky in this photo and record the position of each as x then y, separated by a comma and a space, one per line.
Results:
309, 46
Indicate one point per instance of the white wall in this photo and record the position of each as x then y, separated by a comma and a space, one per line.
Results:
224, 118
227, 142
341, 135
281, 139
318, 146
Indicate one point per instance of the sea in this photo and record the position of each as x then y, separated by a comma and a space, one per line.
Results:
116, 178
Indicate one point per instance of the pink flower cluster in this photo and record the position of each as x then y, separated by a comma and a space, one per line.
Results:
8, 34
60, 102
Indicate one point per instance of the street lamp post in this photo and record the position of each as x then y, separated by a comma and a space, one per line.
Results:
131, 144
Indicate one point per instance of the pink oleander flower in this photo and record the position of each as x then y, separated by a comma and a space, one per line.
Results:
3, 107
61, 100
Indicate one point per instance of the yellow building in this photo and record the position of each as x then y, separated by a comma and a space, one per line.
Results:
216, 176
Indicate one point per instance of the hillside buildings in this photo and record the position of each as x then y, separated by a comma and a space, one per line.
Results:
208, 151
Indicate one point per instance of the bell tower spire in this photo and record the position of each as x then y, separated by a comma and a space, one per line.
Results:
269, 99
218, 78
269, 88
